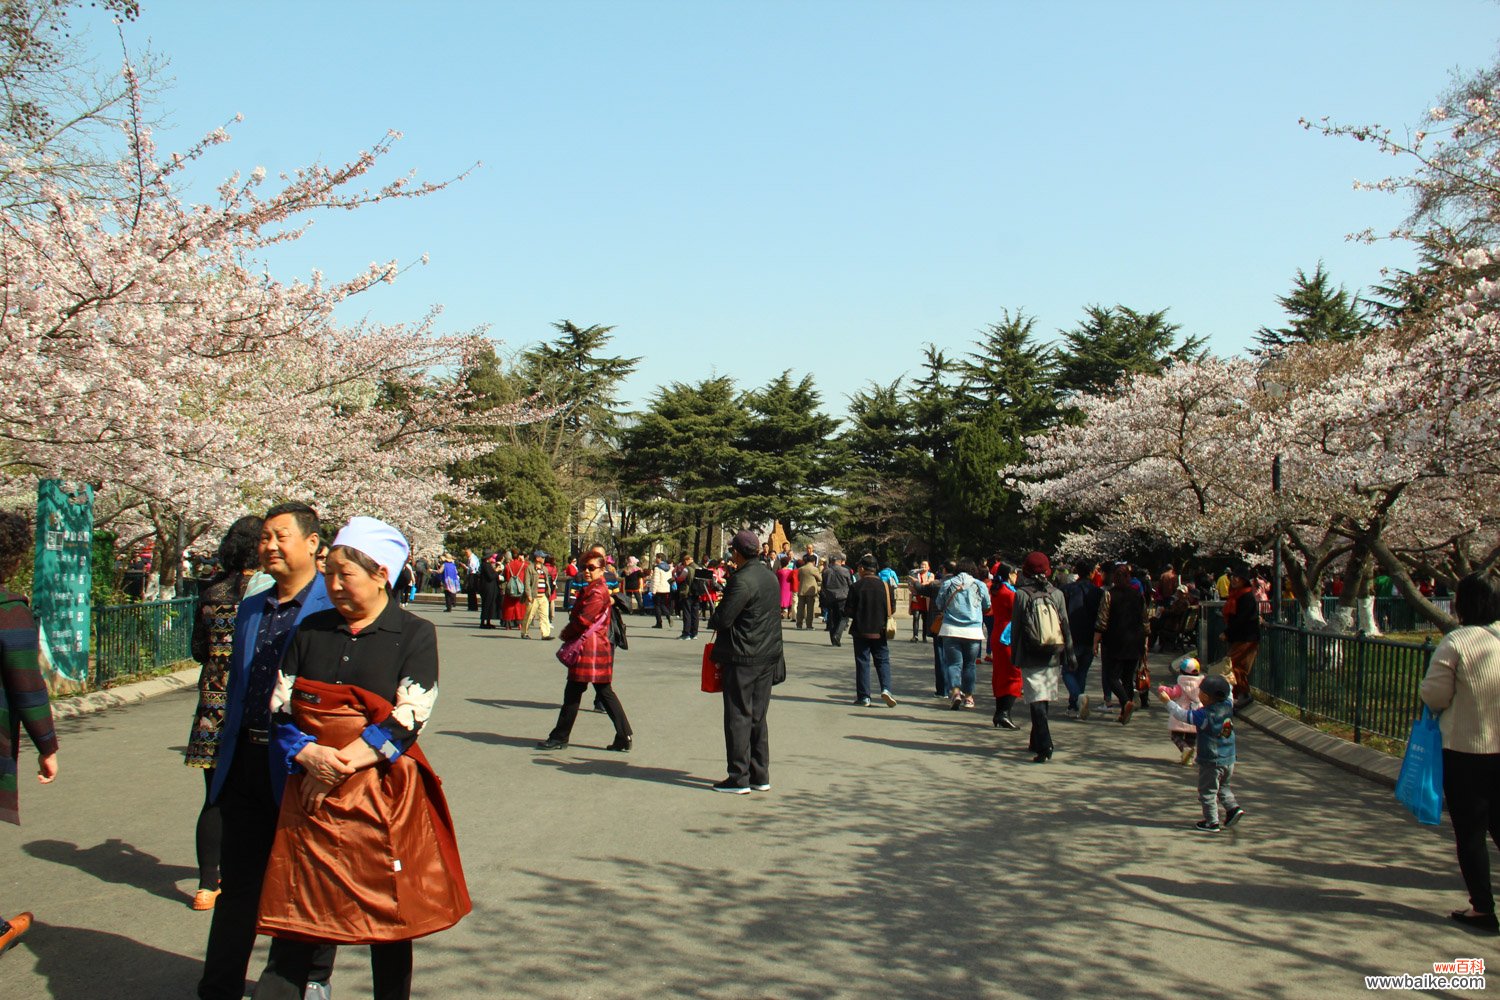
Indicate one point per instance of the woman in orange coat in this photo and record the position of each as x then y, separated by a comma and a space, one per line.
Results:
595, 664
365, 851
1006, 679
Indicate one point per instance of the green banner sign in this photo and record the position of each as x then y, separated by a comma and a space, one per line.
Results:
64, 575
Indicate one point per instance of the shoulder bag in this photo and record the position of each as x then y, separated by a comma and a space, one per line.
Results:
569, 652
890, 626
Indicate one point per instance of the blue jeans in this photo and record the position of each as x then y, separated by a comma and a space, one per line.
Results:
866, 650
1076, 680
960, 657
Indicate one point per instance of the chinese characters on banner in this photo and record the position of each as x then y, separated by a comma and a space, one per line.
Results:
64, 575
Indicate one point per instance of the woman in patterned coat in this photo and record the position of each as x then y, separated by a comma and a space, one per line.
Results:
213, 641
596, 661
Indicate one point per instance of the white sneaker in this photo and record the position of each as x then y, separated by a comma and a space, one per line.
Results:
888, 698
1083, 707
761, 788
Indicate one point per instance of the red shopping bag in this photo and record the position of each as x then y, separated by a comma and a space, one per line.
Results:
712, 682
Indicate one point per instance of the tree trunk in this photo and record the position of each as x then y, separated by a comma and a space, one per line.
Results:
1347, 616
1401, 577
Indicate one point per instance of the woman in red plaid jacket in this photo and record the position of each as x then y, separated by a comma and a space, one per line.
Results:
596, 661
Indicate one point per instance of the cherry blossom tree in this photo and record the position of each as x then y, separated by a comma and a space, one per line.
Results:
150, 351
1389, 446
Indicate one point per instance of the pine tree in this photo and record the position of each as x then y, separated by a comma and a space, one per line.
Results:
875, 510
678, 464
1319, 313
787, 456
1010, 368
1118, 341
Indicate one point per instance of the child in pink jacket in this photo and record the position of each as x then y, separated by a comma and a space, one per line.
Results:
1185, 693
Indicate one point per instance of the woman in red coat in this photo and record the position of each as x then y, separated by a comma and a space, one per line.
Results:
1006, 679
513, 590
596, 661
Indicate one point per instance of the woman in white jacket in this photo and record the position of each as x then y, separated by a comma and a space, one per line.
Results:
1463, 683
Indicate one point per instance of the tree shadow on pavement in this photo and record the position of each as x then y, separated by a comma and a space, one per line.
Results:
1289, 898
84, 964
895, 880
116, 861
1391, 875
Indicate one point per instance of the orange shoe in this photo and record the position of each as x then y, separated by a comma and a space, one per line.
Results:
204, 899
19, 924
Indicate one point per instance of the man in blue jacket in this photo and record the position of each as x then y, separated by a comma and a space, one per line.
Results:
243, 785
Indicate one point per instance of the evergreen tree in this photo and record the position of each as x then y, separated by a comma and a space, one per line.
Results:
678, 464
573, 376
520, 501
1319, 313
875, 511
572, 372
1010, 368
937, 412
1010, 391
787, 461
521, 506
1117, 341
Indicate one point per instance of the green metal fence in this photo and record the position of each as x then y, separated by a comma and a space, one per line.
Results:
1366, 683
134, 639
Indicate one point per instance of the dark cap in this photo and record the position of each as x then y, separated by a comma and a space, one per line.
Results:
1217, 687
746, 543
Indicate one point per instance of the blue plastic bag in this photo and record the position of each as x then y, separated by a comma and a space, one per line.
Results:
1420, 785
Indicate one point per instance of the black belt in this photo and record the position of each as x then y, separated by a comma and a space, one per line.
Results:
260, 737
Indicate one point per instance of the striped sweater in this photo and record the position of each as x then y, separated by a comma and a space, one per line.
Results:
23, 697
1463, 683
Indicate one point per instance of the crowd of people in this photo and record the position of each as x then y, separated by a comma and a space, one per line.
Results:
317, 683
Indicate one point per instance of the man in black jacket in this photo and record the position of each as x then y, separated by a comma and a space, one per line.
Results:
748, 651
836, 583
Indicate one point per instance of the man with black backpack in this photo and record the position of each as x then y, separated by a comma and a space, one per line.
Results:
1040, 636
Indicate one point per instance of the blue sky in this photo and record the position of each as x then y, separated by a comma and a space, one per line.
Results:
742, 188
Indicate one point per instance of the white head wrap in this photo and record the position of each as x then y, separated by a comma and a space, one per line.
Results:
378, 540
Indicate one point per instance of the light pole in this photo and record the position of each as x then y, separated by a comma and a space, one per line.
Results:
1276, 562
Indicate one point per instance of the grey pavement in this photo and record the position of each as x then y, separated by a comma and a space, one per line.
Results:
906, 852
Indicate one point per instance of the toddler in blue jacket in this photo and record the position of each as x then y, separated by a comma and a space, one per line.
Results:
1215, 728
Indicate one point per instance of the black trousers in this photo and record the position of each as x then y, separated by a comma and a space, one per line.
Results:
747, 738
1471, 786
690, 616
489, 597
836, 622
1041, 733
249, 809
603, 693
663, 605
209, 835
293, 965
449, 599
1119, 677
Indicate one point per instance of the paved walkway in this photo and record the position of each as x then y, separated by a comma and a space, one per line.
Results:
906, 852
